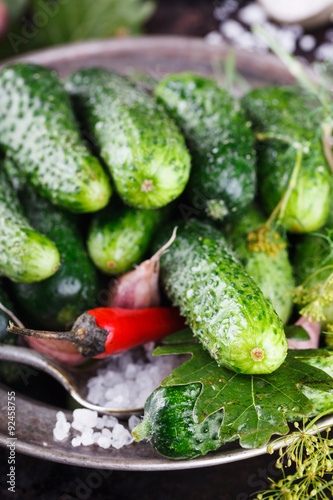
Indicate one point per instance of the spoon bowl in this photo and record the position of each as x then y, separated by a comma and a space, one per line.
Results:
73, 379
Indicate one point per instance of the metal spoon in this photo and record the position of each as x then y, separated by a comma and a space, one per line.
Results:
73, 379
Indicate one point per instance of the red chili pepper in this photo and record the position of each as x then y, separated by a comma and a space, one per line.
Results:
105, 331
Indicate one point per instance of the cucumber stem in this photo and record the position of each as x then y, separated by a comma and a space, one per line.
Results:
143, 430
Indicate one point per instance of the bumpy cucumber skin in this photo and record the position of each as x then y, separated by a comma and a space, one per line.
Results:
221, 303
285, 112
25, 255
119, 237
169, 426
220, 140
39, 133
273, 274
55, 303
140, 144
308, 206
288, 119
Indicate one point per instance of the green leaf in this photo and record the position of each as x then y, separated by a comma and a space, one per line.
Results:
296, 333
181, 337
254, 405
73, 20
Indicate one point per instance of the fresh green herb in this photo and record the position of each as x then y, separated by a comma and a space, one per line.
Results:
254, 405
311, 453
83, 19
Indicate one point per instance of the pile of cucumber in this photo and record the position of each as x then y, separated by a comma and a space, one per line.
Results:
189, 155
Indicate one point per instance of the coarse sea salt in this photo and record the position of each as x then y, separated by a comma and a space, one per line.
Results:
81, 431
124, 382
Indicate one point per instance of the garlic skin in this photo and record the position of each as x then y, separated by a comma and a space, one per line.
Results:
139, 289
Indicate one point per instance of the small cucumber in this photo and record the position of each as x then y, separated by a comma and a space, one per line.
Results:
39, 133
220, 140
55, 303
272, 273
140, 144
119, 237
289, 149
25, 255
169, 425
221, 303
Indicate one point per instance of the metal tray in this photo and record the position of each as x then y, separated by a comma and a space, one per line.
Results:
155, 56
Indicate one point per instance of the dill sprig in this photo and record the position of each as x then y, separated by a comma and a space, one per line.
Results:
316, 297
311, 454
265, 239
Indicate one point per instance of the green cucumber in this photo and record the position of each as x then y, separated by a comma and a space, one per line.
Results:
141, 145
39, 133
55, 303
119, 237
25, 255
220, 140
289, 131
223, 306
169, 425
272, 273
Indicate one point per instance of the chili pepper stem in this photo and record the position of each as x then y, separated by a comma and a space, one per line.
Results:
86, 336
42, 334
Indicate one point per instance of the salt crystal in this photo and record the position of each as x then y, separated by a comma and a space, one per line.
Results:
231, 29
307, 43
87, 439
325, 52
76, 441
85, 417
131, 371
100, 423
96, 436
252, 14
104, 442
133, 421
61, 430
121, 437
213, 38
106, 433
61, 416
110, 421
222, 11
